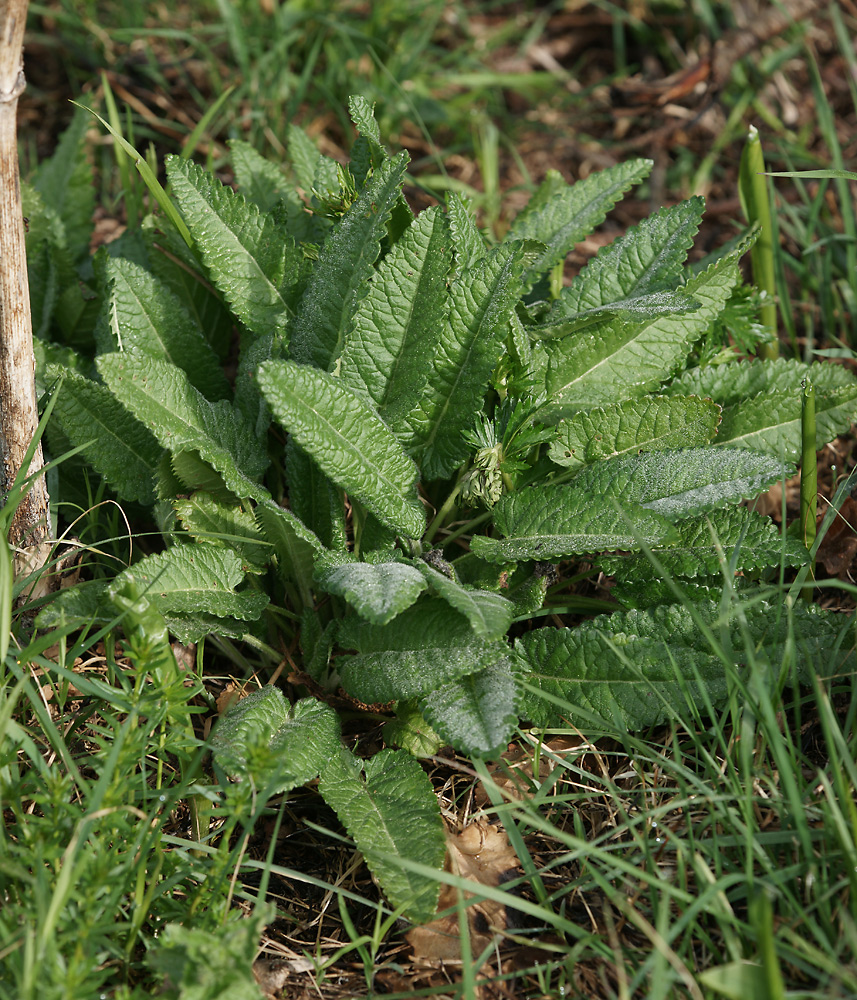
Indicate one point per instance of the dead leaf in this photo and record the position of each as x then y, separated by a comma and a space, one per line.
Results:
839, 546
481, 853
516, 775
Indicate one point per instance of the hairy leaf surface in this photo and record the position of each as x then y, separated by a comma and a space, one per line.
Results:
679, 483
390, 351
181, 418
554, 521
470, 345
489, 614
388, 806
277, 745
693, 551
638, 668
123, 450
208, 520
378, 591
143, 314
476, 713
248, 255
189, 578
652, 423
348, 440
572, 213
621, 359
733, 383
341, 274
426, 646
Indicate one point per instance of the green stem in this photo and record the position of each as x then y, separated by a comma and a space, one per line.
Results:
808, 477
756, 202
446, 509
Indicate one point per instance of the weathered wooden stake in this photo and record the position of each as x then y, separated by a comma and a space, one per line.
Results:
18, 411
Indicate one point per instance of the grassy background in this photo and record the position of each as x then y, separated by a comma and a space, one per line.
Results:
715, 857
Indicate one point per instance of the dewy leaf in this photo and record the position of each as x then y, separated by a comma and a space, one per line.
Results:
423, 648
349, 442
482, 299
341, 275
124, 451
390, 351
477, 714
377, 591
693, 551
621, 359
206, 519
162, 398
638, 668
676, 484
648, 258
467, 242
771, 421
299, 740
249, 257
652, 423
388, 806
189, 578
733, 383
554, 521
144, 314
573, 213
490, 615
363, 115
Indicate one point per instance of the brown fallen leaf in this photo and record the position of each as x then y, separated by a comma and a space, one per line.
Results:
839, 546
483, 854
516, 774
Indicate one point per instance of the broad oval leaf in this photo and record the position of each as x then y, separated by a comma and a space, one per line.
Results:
653, 423
207, 519
124, 451
248, 255
143, 313
555, 521
377, 591
678, 483
422, 649
348, 440
276, 745
388, 806
489, 614
189, 578
182, 419
476, 714
637, 668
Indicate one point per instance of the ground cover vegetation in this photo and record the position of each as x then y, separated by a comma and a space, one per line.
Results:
472, 533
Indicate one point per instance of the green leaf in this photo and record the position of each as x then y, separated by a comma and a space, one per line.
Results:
377, 591
144, 315
733, 383
122, 449
318, 502
189, 578
647, 259
620, 359
349, 442
676, 484
341, 275
568, 215
162, 398
482, 300
476, 714
635, 669
554, 521
294, 544
410, 731
65, 183
693, 551
277, 745
86, 602
771, 421
467, 242
423, 648
388, 806
390, 351
206, 519
363, 115
249, 257
653, 423
490, 615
